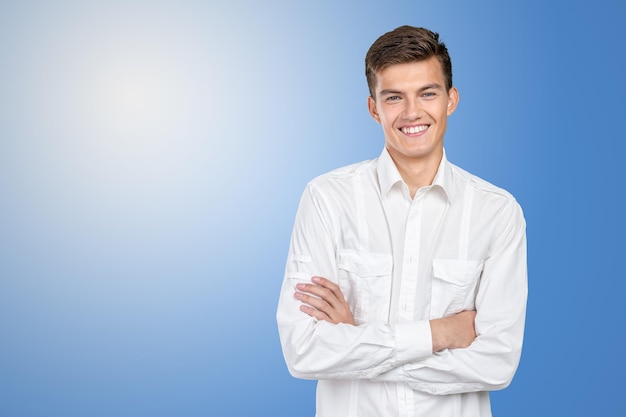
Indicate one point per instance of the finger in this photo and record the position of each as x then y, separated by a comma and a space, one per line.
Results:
316, 302
322, 310
335, 296
319, 292
319, 315
316, 307
330, 285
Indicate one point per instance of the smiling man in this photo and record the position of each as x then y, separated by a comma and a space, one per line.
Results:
405, 287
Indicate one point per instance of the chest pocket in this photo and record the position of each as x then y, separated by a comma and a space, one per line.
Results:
365, 280
454, 286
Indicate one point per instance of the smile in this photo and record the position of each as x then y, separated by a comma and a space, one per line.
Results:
413, 129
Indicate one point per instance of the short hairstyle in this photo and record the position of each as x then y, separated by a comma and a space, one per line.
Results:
403, 45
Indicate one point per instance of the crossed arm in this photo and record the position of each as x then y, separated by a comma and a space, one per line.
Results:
470, 351
324, 300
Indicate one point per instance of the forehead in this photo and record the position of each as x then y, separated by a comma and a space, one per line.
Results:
410, 74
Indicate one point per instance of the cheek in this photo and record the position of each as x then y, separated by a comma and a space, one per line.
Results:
388, 126
387, 119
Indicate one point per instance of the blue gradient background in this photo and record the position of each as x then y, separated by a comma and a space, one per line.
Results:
152, 156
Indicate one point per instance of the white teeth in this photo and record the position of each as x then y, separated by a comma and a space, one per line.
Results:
414, 129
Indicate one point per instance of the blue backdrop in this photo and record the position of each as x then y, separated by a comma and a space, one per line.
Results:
152, 156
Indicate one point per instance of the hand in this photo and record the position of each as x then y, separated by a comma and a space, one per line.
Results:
324, 300
453, 332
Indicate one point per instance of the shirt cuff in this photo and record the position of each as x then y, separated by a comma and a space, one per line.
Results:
414, 341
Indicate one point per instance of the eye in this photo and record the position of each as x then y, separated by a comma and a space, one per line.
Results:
392, 98
429, 94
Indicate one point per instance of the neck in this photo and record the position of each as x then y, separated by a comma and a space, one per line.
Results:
418, 172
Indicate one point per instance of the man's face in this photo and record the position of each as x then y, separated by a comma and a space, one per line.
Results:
412, 106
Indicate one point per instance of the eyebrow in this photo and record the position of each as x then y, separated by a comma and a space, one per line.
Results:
434, 86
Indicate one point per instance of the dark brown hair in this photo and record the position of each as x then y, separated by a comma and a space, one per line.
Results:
402, 45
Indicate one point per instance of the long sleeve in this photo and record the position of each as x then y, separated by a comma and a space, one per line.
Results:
401, 261
492, 359
321, 350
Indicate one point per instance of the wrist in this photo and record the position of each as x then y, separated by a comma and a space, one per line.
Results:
437, 330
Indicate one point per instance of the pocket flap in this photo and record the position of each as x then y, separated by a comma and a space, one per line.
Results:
456, 271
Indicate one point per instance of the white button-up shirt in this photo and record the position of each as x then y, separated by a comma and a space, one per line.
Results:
459, 244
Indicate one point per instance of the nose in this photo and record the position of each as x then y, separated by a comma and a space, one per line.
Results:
412, 109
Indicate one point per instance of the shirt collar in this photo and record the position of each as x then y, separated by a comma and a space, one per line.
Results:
388, 174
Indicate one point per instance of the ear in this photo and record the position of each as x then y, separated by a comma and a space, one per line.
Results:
371, 106
453, 100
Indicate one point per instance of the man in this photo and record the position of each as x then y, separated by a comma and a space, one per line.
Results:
405, 286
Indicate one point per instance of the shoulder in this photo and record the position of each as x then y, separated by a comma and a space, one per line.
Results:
346, 176
480, 185
484, 190
493, 205
335, 192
